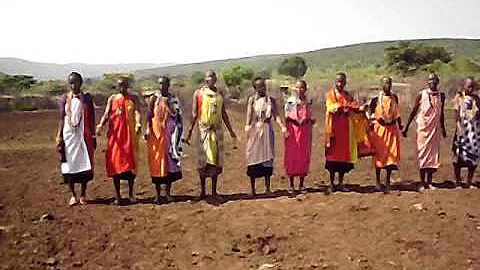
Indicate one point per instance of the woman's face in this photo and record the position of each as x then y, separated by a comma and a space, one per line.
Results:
340, 82
122, 86
301, 87
260, 87
75, 83
469, 86
210, 79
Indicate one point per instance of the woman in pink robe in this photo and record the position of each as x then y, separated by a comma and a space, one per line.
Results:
298, 143
429, 113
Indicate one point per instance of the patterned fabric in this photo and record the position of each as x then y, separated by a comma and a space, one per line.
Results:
466, 142
163, 144
208, 105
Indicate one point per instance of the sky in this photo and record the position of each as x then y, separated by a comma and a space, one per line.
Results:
183, 31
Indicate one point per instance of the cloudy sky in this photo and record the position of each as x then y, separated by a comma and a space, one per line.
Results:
182, 31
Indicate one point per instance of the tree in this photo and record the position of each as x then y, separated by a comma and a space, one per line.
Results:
406, 58
16, 82
197, 78
293, 66
235, 75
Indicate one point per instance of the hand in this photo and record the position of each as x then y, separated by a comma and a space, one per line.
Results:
285, 132
146, 135
59, 140
247, 128
189, 137
99, 130
371, 126
138, 129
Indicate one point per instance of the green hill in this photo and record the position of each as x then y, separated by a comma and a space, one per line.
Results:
357, 55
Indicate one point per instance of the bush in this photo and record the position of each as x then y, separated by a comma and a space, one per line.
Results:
407, 59
294, 66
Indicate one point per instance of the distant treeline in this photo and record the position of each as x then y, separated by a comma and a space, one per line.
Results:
402, 59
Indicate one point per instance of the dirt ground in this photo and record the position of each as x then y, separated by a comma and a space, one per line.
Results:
361, 229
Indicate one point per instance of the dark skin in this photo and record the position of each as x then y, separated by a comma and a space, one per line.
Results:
301, 88
387, 90
163, 90
426, 174
261, 91
122, 87
469, 89
210, 81
75, 84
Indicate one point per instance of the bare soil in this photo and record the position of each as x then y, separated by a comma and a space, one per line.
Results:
361, 229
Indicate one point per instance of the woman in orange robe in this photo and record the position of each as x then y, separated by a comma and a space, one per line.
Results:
163, 137
385, 111
340, 142
124, 124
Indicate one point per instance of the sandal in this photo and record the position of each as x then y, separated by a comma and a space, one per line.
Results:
73, 201
83, 200
132, 200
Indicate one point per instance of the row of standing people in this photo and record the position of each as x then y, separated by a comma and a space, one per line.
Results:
349, 134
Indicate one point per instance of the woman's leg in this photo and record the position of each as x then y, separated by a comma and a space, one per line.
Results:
291, 187
158, 190
378, 186
387, 181
471, 172
267, 185
131, 195
116, 184
458, 174
301, 186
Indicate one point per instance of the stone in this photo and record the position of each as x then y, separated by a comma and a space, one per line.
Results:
51, 261
266, 266
47, 217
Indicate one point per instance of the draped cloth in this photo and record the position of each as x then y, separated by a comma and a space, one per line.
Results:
466, 142
386, 137
78, 132
298, 144
429, 129
260, 138
121, 155
345, 133
208, 107
164, 143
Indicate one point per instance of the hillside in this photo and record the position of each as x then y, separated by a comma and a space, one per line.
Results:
43, 71
345, 56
